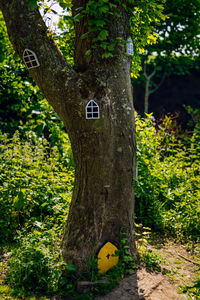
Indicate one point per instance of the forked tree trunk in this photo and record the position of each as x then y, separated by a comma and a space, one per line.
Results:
104, 148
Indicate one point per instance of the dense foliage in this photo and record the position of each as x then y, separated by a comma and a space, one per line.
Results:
179, 33
96, 18
176, 50
167, 189
35, 179
36, 184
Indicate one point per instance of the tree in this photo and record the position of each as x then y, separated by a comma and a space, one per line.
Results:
103, 148
179, 34
178, 41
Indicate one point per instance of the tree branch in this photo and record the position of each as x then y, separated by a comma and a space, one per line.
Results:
160, 83
26, 29
148, 77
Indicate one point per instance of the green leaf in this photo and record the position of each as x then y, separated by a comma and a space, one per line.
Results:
88, 52
111, 47
84, 36
99, 23
102, 35
71, 267
19, 201
32, 4
38, 224
78, 17
107, 55
104, 9
65, 3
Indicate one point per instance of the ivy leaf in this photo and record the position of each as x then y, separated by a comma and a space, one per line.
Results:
107, 55
111, 47
84, 36
104, 9
71, 267
97, 22
78, 17
88, 52
32, 4
102, 35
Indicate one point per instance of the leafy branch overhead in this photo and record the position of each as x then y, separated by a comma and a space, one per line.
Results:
100, 14
97, 18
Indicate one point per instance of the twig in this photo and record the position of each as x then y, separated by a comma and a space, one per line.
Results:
195, 263
160, 83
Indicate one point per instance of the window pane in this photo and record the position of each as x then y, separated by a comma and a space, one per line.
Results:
89, 109
95, 109
95, 115
34, 63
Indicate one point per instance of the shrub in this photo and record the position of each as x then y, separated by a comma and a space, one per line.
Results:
35, 183
167, 189
36, 266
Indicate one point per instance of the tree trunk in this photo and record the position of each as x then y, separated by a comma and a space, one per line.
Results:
104, 149
146, 96
104, 154
147, 87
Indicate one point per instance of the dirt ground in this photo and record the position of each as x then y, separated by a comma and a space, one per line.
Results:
144, 285
178, 268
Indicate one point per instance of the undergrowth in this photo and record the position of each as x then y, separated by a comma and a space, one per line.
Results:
36, 268
35, 185
167, 189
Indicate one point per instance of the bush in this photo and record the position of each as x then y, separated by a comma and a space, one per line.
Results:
167, 190
36, 266
35, 183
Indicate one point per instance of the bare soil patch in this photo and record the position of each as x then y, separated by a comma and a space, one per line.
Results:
178, 268
145, 285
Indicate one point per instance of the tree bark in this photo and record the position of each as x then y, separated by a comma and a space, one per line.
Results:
146, 96
104, 149
104, 154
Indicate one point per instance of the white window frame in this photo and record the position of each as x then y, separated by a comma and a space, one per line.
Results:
130, 46
30, 59
94, 107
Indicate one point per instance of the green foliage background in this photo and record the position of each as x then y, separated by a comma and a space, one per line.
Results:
168, 185
35, 184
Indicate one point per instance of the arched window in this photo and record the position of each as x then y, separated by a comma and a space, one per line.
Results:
130, 46
30, 59
92, 110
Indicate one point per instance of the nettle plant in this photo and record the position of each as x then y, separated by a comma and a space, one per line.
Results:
167, 193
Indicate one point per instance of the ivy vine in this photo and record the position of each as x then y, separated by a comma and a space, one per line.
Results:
143, 15
100, 14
